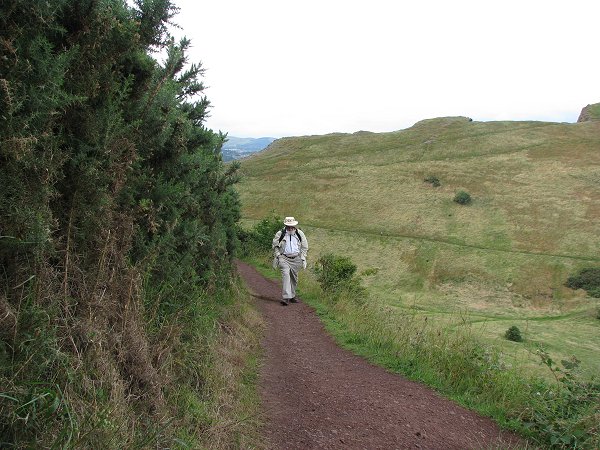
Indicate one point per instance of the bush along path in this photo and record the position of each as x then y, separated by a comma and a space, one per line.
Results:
318, 395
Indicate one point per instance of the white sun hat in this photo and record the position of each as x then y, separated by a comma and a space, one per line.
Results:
290, 222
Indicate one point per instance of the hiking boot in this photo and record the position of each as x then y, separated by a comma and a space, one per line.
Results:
283, 302
293, 300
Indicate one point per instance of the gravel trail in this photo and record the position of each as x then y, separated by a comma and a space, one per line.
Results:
316, 395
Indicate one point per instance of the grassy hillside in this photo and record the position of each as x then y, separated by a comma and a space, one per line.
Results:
500, 261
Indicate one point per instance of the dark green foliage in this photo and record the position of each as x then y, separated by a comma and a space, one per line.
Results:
267, 228
588, 279
336, 275
332, 271
118, 220
564, 414
259, 239
462, 198
513, 334
435, 182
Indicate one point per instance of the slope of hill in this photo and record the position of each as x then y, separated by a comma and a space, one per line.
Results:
590, 112
502, 260
535, 184
236, 147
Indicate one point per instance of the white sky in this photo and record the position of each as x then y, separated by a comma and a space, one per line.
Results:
289, 68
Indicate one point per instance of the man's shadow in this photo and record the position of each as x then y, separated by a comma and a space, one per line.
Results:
264, 297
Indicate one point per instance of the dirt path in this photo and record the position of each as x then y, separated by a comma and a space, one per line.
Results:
318, 395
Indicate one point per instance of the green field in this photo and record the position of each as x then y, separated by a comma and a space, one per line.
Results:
500, 261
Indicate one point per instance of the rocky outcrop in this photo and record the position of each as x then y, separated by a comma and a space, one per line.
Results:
590, 113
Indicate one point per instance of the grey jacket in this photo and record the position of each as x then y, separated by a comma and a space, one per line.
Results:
278, 247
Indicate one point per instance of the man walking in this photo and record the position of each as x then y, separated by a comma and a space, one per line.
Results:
290, 247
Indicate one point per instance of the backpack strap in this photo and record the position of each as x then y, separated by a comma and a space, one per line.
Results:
283, 234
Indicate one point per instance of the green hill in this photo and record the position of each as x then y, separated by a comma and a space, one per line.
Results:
501, 260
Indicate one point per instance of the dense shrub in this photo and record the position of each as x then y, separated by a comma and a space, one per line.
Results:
336, 275
462, 198
588, 279
513, 334
435, 182
117, 223
258, 240
265, 230
332, 271
564, 414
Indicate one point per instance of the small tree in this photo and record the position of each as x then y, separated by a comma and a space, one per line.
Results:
462, 198
513, 334
333, 271
588, 279
259, 239
266, 229
336, 275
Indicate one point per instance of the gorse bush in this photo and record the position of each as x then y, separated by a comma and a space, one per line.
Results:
259, 239
333, 270
336, 275
462, 198
265, 230
513, 334
588, 279
118, 223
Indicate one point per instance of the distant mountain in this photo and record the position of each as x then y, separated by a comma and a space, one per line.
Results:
237, 147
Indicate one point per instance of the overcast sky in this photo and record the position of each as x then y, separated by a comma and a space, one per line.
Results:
290, 68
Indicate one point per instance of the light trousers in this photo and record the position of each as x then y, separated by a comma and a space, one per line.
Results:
289, 275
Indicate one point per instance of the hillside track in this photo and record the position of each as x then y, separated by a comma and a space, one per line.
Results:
316, 395
417, 237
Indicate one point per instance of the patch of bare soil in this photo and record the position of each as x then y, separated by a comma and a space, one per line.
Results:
318, 395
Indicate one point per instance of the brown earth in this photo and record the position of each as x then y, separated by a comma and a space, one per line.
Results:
318, 395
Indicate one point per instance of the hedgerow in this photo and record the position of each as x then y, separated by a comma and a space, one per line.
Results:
117, 224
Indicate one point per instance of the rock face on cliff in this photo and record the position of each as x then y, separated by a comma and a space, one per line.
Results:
589, 113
